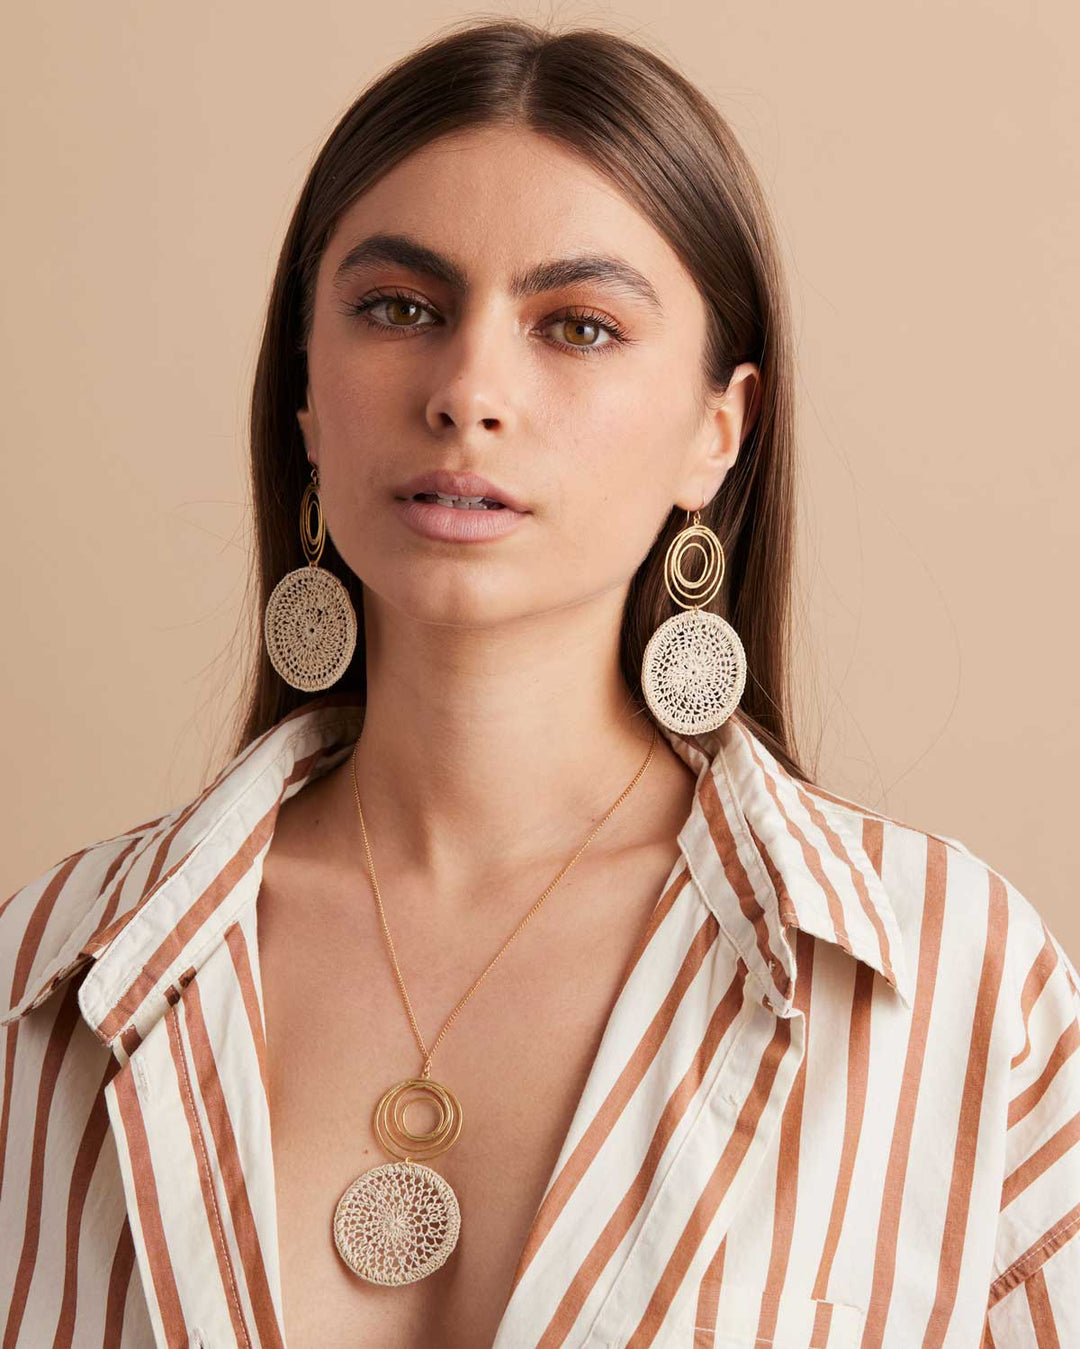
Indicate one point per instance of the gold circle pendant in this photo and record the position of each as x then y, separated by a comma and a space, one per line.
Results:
399, 1222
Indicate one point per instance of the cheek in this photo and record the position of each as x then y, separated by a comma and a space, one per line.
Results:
603, 518
363, 448
351, 400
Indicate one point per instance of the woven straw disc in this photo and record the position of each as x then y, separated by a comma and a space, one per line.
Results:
397, 1223
693, 672
310, 628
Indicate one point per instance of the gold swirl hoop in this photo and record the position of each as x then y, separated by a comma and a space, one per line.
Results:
395, 1135
699, 591
693, 671
313, 540
309, 625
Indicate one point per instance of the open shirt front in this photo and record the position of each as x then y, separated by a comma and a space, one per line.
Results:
836, 1102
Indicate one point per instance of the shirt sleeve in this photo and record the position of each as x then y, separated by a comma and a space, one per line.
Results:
1034, 1299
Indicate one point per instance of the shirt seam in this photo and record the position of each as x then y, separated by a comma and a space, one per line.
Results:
1030, 1262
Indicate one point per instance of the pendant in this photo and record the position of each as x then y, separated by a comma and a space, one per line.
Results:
693, 672
310, 628
399, 1222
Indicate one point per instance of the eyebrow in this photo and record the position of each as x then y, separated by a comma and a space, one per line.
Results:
535, 280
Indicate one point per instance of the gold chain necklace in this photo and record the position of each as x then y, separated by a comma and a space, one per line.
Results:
399, 1222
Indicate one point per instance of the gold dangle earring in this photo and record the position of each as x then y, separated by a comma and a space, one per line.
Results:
310, 623
694, 669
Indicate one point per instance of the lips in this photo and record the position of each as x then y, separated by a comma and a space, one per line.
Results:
452, 525
460, 484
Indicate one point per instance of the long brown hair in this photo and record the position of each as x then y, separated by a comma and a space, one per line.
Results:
659, 140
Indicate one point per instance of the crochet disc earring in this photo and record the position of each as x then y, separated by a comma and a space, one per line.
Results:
694, 669
310, 623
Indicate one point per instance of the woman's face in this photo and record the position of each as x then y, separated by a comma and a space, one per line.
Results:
581, 399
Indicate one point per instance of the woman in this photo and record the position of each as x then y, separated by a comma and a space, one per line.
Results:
728, 1059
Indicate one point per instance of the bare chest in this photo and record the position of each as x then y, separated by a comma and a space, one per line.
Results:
517, 1056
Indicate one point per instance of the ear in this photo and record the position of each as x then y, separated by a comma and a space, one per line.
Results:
729, 420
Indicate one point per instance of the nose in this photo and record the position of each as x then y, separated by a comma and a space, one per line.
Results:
472, 379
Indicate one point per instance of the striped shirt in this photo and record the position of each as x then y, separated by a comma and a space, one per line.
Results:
836, 1102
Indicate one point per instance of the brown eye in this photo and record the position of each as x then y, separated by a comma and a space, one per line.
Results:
587, 334
396, 308
401, 311
582, 332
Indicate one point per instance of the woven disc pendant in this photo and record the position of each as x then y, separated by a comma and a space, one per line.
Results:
310, 628
399, 1222
693, 672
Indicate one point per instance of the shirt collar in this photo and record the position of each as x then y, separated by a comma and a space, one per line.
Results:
766, 851
769, 852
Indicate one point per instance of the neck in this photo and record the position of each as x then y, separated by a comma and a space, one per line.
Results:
484, 751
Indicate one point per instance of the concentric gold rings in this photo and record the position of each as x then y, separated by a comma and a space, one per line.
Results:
680, 587
397, 1138
312, 538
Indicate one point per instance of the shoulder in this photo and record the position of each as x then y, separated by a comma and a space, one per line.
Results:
65, 917
953, 902
71, 913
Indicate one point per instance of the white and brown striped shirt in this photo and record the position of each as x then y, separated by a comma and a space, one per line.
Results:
836, 1104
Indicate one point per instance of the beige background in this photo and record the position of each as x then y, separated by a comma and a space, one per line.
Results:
922, 163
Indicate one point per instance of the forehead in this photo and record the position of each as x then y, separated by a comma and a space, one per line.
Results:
500, 200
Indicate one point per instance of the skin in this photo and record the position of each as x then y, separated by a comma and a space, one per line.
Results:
499, 729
